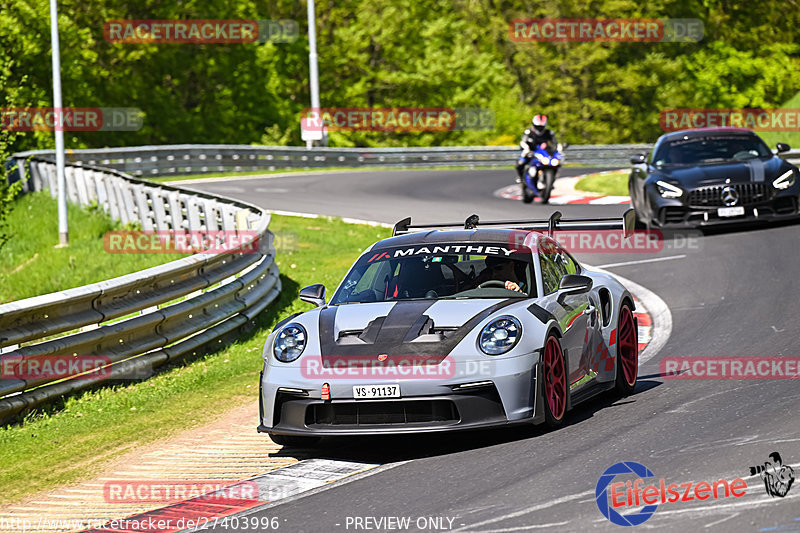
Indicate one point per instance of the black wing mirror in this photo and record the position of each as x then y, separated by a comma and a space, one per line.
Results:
783, 147
637, 159
574, 284
313, 294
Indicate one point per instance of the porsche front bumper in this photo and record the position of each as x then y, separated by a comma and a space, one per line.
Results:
505, 392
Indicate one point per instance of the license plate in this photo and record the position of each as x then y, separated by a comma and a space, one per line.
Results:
376, 391
730, 211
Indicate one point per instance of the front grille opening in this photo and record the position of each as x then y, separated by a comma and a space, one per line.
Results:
672, 215
748, 194
382, 413
785, 206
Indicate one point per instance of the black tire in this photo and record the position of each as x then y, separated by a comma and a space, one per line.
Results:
549, 180
527, 194
292, 441
638, 225
550, 378
627, 372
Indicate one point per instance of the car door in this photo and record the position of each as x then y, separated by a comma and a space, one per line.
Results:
572, 311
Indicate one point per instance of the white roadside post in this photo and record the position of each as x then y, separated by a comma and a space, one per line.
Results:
313, 72
311, 129
58, 126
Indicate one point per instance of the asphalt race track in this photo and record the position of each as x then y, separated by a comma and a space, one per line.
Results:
731, 293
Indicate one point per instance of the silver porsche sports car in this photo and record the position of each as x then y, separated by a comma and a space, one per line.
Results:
440, 328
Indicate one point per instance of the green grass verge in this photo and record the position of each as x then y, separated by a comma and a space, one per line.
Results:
31, 266
76, 439
611, 184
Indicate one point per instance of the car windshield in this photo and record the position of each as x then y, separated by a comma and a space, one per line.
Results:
711, 149
438, 271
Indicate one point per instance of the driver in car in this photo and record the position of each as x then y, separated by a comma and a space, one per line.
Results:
500, 269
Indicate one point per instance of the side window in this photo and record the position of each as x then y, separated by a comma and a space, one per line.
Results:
551, 274
568, 262
373, 278
556, 263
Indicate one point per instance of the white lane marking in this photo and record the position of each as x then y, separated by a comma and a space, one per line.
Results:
515, 514
658, 310
228, 188
313, 215
234, 177
642, 261
565, 199
685, 405
721, 521
606, 200
275, 190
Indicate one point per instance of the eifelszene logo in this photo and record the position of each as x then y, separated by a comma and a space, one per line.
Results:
612, 498
777, 477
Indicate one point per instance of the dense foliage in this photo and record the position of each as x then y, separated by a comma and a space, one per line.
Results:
438, 53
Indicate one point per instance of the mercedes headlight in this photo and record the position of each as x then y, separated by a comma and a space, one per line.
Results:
785, 180
667, 190
500, 335
290, 343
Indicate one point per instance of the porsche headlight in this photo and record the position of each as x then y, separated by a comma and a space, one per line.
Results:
785, 180
500, 335
289, 343
668, 190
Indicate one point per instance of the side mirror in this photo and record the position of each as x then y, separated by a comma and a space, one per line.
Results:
637, 159
628, 222
574, 284
783, 147
313, 294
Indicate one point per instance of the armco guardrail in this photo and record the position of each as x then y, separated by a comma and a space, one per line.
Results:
148, 161
181, 159
130, 321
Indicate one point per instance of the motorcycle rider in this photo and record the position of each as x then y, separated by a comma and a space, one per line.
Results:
537, 134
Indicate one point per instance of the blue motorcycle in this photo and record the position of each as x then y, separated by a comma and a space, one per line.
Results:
539, 174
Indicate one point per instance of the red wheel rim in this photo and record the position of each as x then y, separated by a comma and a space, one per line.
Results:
555, 380
628, 348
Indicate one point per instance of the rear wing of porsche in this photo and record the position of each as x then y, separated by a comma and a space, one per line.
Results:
626, 223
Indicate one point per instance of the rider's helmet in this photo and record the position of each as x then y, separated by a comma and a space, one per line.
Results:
539, 123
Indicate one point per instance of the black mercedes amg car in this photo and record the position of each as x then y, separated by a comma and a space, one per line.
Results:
710, 176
